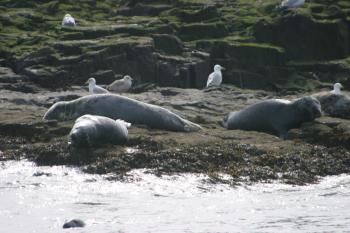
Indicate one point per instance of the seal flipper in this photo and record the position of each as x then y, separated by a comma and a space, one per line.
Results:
190, 126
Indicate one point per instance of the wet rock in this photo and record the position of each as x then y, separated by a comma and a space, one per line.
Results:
22, 129
332, 132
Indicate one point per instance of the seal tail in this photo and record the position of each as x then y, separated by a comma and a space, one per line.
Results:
190, 126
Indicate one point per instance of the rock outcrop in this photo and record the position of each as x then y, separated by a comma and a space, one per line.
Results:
262, 46
281, 54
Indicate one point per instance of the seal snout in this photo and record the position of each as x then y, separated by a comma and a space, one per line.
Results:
75, 138
223, 123
316, 108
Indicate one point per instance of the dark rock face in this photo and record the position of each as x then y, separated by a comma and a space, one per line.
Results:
197, 31
182, 73
204, 13
132, 9
168, 43
105, 61
304, 37
260, 46
248, 65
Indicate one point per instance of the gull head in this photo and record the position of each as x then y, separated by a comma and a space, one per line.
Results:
128, 78
218, 68
91, 81
337, 86
67, 15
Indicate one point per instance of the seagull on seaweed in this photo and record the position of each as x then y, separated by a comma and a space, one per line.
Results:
292, 3
68, 20
215, 78
336, 89
95, 89
121, 85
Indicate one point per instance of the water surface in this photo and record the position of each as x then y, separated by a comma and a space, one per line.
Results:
41, 199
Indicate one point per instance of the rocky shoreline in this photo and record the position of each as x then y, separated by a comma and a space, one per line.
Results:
316, 149
169, 48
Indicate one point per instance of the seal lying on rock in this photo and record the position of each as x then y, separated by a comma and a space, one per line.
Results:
274, 116
93, 131
120, 107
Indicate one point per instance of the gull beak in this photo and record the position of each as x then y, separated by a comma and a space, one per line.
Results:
223, 68
87, 82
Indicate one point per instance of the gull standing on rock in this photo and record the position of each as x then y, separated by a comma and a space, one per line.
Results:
68, 20
121, 85
292, 3
336, 89
215, 78
94, 89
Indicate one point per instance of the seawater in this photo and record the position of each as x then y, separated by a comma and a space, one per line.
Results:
41, 199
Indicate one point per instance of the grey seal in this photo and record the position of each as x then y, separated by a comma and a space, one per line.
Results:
93, 131
74, 223
120, 107
121, 85
274, 116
